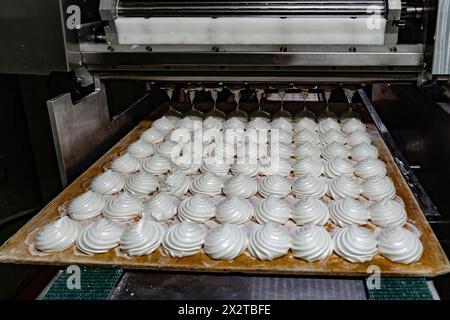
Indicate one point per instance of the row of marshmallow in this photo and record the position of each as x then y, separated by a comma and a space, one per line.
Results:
178, 184
160, 165
232, 138
237, 210
191, 123
227, 242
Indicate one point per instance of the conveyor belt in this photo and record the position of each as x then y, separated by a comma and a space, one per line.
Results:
107, 283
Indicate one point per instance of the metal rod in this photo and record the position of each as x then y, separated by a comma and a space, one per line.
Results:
127, 8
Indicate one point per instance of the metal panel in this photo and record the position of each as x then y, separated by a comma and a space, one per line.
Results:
34, 37
82, 131
350, 59
441, 60
171, 286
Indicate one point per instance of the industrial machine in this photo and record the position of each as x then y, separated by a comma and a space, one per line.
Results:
89, 71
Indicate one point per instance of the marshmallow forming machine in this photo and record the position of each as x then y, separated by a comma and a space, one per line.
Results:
109, 60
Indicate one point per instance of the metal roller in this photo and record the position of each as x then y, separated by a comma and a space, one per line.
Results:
235, 8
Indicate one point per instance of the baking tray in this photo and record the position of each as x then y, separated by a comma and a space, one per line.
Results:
433, 263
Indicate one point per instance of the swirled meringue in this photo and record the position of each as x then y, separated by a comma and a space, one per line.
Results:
222, 150
198, 208
355, 244
108, 182
183, 239
169, 149
273, 209
357, 137
280, 166
332, 136
208, 184
258, 124
307, 149
190, 124
306, 136
157, 165
126, 164
251, 151
339, 167
140, 149
363, 151
281, 124
400, 245
311, 243
269, 242
249, 169
141, 238
280, 150
234, 123
344, 186
388, 213
123, 207
187, 165
327, 125
274, 185
58, 235
153, 136
376, 188
86, 206
305, 123
163, 124
279, 136
219, 167
161, 207
333, 150
310, 210
347, 212
352, 124
99, 237
212, 123
240, 185
176, 184
370, 167
305, 113
309, 186
234, 210
308, 165
141, 183
225, 242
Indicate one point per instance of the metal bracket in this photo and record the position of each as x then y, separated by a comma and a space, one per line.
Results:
108, 10
394, 13
84, 130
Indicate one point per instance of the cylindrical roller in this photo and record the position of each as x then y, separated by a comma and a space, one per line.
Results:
230, 8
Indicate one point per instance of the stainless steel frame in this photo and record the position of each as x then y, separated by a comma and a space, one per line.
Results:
83, 130
441, 63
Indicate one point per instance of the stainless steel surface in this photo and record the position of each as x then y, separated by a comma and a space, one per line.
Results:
262, 76
441, 59
35, 39
418, 190
161, 286
137, 59
129, 8
393, 15
83, 130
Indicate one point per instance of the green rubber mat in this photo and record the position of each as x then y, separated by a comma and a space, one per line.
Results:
401, 289
83, 284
